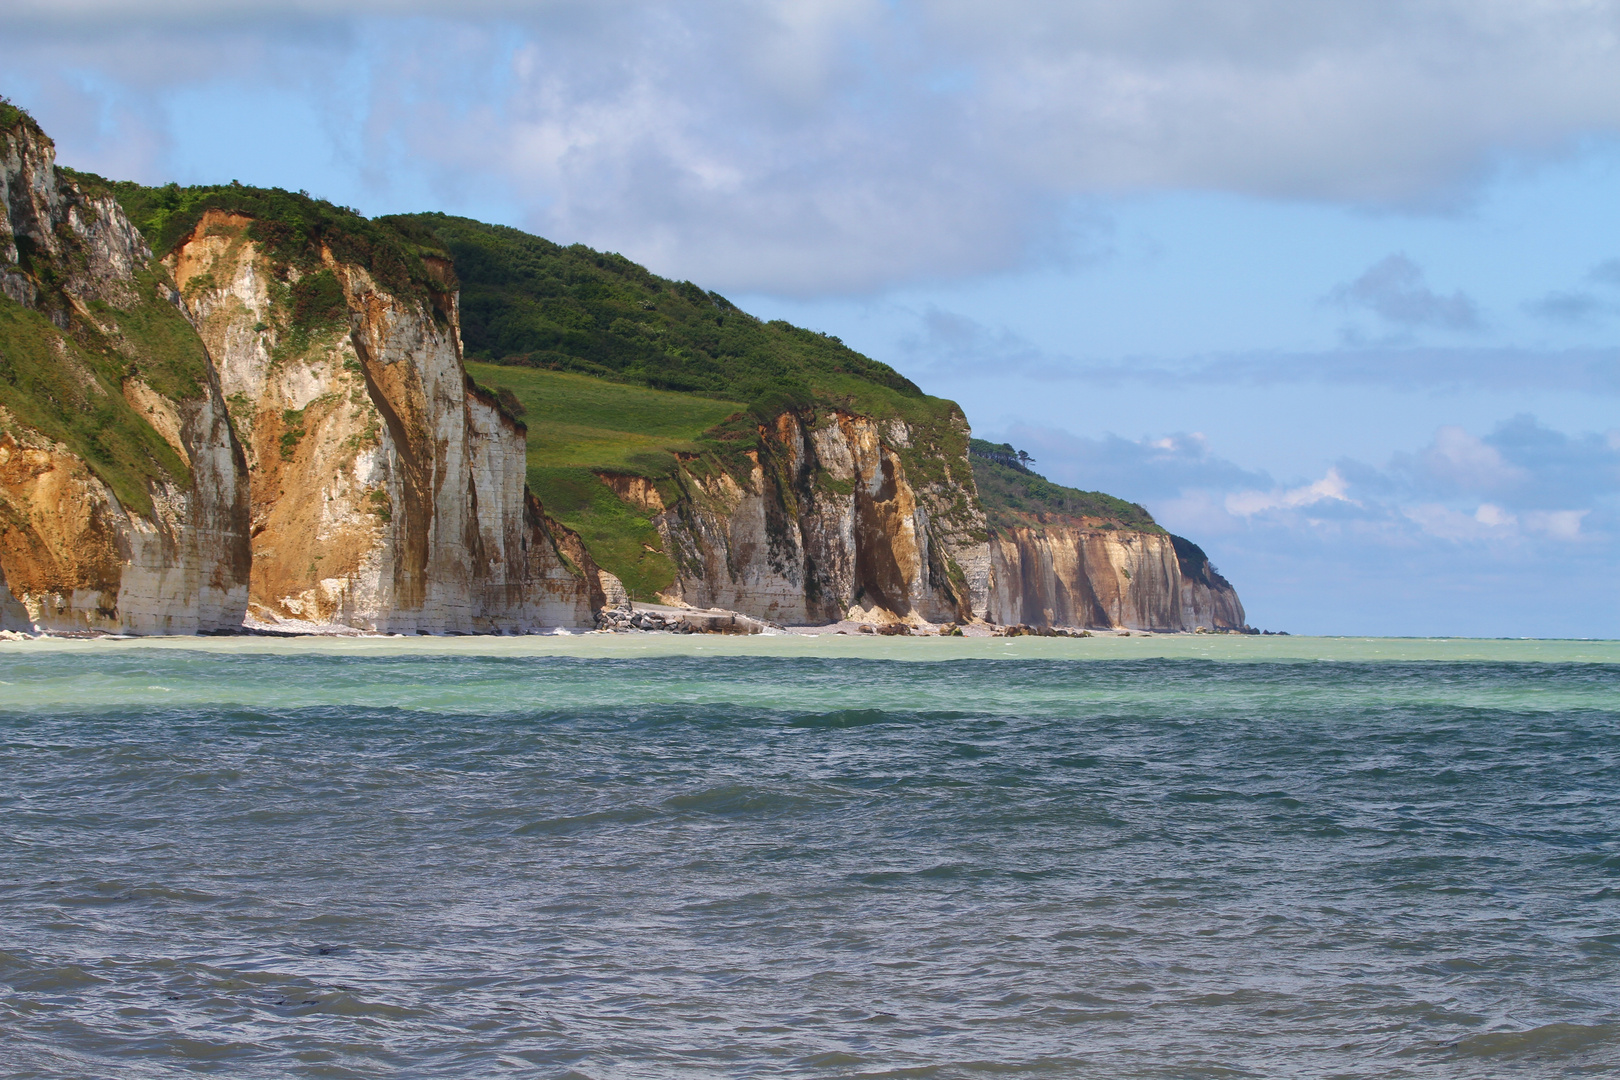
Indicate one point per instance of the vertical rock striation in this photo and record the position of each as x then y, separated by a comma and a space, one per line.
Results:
827, 522
387, 491
1075, 575
1059, 575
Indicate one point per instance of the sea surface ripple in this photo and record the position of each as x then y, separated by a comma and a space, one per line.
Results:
322, 865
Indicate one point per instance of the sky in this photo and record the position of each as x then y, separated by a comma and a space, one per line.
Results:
1331, 286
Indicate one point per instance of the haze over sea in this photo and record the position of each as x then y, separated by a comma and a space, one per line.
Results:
693, 857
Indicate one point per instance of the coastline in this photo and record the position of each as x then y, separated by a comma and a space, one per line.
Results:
1226, 648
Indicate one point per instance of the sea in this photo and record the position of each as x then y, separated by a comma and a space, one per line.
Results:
652, 856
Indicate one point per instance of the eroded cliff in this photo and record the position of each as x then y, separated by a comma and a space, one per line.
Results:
275, 418
834, 516
123, 494
387, 491
1063, 557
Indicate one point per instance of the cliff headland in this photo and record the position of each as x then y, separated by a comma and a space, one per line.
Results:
228, 406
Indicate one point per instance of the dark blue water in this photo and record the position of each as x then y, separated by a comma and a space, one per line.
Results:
323, 866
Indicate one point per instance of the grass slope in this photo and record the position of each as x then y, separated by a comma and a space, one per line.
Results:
579, 427
529, 302
1014, 496
69, 387
68, 383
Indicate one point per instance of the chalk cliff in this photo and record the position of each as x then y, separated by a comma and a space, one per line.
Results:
1063, 557
828, 522
387, 491
122, 493
1076, 575
372, 484
272, 418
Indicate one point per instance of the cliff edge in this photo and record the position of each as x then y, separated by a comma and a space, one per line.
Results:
1064, 557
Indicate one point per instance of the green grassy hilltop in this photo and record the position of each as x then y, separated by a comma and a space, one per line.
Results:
526, 301
1015, 495
619, 370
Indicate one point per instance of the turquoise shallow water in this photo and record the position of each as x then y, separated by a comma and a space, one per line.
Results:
688, 858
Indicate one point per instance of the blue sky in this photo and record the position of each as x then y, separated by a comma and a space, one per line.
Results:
1332, 288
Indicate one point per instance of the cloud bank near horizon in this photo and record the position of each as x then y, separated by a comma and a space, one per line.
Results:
835, 146
1515, 527
943, 342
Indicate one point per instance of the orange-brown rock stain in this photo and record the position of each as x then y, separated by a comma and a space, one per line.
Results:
57, 536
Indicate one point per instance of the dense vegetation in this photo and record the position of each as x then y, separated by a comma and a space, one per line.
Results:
69, 387
1195, 565
1014, 495
529, 302
13, 117
292, 227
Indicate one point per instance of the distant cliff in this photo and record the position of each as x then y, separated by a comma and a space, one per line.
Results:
1063, 557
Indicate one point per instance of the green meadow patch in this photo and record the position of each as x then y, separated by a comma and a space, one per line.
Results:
580, 427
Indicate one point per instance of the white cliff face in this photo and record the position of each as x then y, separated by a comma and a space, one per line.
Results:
71, 553
1074, 575
85, 562
1207, 598
386, 494
825, 525
41, 210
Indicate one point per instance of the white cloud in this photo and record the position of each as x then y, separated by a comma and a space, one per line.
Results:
1493, 523
1559, 524
837, 145
1248, 503
1445, 523
1458, 459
